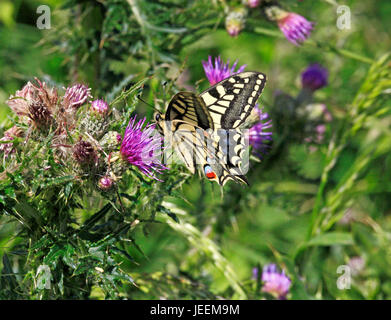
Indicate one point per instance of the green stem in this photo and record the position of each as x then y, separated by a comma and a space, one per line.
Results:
327, 47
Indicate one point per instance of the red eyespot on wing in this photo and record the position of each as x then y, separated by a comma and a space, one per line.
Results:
209, 172
211, 175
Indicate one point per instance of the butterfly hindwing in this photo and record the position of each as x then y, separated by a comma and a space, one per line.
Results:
231, 101
189, 142
230, 159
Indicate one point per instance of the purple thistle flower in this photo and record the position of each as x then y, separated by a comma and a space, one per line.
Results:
219, 71
76, 96
258, 137
275, 283
100, 106
294, 27
314, 77
141, 148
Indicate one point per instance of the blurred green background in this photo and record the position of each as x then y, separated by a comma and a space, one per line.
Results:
268, 221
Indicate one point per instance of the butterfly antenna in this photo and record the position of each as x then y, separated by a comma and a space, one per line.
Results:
164, 86
146, 103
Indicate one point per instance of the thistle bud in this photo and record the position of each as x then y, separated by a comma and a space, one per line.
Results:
32, 94
48, 96
99, 106
76, 96
235, 21
40, 114
20, 101
9, 135
117, 164
295, 28
111, 141
105, 183
84, 152
95, 125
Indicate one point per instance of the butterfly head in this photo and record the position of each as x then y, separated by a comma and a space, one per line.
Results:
159, 119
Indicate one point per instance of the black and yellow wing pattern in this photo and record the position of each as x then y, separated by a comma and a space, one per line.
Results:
205, 129
231, 101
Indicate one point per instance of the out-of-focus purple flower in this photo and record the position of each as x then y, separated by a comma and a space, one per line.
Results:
142, 148
100, 106
314, 77
320, 131
317, 117
235, 21
105, 183
350, 216
276, 283
356, 265
255, 273
219, 70
328, 117
259, 139
76, 96
252, 3
295, 28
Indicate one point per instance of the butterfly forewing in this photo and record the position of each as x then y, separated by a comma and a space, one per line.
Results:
189, 107
231, 101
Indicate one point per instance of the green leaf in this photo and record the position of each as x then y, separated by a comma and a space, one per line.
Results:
331, 238
133, 90
54, 254
8, 274
326, 239
96, 217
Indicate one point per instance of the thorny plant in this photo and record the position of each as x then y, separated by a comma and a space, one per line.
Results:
77, 192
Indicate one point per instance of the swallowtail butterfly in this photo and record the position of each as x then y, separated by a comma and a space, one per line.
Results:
205, 130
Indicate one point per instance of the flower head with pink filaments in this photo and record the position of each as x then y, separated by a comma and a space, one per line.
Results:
142, 148
274, 282
219, 70
259, 137
76, 96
